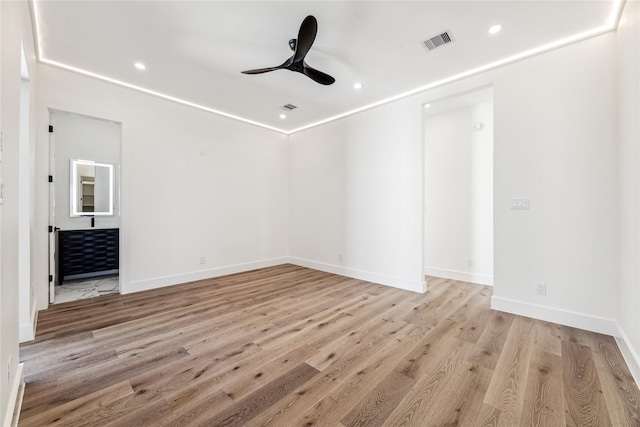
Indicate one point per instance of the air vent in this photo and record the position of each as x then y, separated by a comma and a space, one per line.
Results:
288, 107
436, 41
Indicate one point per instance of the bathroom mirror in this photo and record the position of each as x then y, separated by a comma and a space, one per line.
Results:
91, 188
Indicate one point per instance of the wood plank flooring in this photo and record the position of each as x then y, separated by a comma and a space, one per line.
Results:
290, 346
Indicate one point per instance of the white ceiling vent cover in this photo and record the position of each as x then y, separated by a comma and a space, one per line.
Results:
436, 41
289, 107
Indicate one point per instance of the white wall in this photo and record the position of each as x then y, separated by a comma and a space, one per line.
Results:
458, 193
15, 32
86, 138
554, 143
356, 191
629, 130
192, 184
27, 308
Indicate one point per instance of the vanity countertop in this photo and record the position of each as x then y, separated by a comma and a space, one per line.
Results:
89, 228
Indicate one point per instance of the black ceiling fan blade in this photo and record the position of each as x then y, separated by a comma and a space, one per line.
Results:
301, 46
318, 76
306, 37
261, 70
284, 65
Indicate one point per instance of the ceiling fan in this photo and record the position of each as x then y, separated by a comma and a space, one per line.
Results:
300, 47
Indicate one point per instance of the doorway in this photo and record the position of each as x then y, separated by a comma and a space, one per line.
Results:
458, 187
84, 207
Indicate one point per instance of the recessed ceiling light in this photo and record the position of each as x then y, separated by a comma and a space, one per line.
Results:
283, 116
140, 66
495, 29
357, 86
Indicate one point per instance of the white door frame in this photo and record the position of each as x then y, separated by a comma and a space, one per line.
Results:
123, 266
52, 212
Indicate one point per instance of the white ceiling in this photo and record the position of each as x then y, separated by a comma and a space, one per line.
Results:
194, 50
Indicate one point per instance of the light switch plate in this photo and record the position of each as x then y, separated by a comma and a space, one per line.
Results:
520, 204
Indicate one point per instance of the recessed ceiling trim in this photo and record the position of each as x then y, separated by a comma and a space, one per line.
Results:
43, 60
158, 94
481, 69
611, 24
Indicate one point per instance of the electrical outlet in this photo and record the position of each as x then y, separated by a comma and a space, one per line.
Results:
202, 260
472, 262
541, 288
9, 369
340, 257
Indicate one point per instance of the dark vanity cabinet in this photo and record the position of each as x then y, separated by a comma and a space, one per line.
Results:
87, 251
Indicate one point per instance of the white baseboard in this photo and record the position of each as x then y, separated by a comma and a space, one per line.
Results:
481, 279
563, 317
15, 398
160, 282
396, 282
27, 331
629, 354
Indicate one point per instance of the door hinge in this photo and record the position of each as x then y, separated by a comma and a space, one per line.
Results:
50, 278
50, 128
50, 178
51, 229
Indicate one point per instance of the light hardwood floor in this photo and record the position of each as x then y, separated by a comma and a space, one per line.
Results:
289, 346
